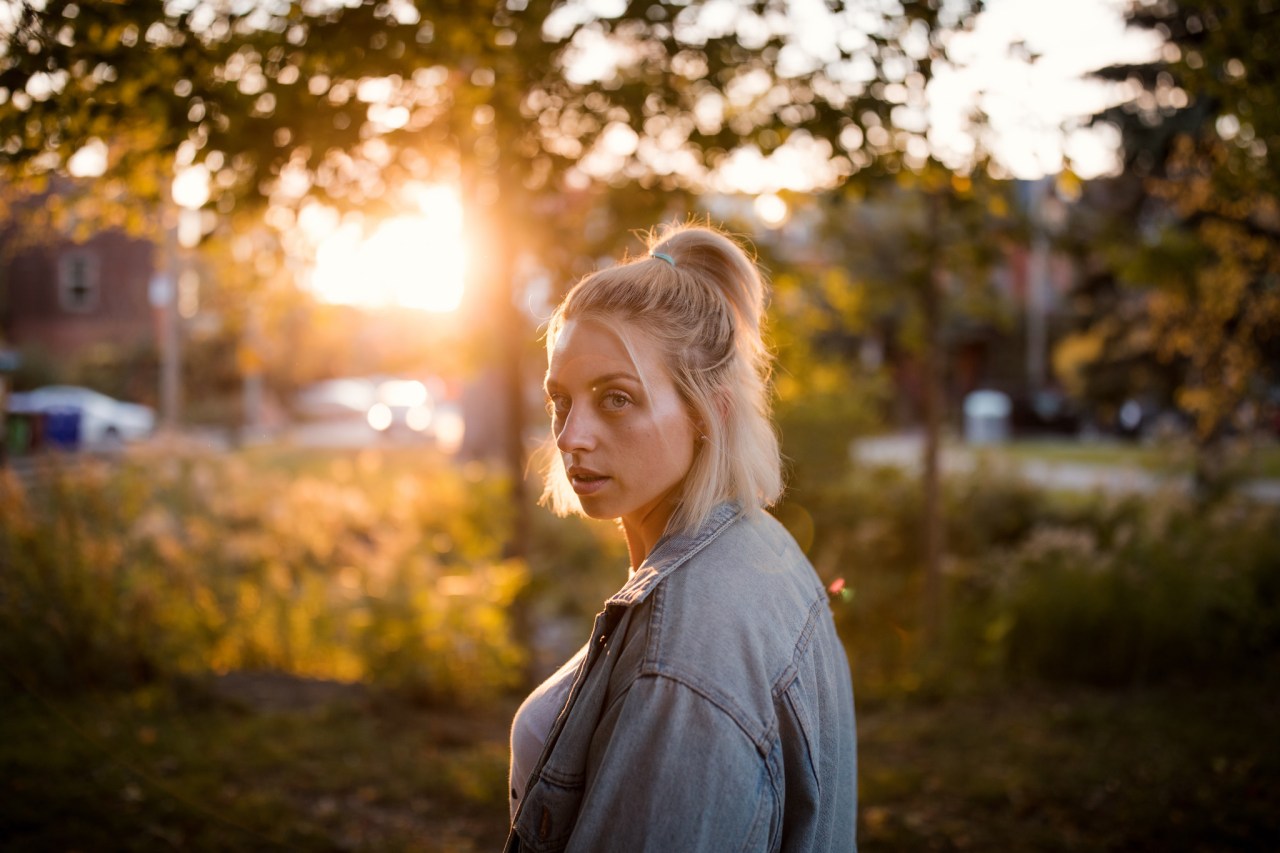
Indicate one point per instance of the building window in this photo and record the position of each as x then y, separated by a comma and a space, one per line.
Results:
78, 286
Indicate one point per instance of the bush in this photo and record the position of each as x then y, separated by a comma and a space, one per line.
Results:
389, 568
375, 567
863, 529
1081, 588
1159, 588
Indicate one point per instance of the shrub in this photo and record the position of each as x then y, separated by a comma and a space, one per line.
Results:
376, 567
1170, 590
388, 567
1091, 588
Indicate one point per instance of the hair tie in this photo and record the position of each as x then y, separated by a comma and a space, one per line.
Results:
664, 256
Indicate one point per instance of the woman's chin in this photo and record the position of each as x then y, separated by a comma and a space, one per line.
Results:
596, 509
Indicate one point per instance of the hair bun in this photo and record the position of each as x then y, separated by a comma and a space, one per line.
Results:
720, 261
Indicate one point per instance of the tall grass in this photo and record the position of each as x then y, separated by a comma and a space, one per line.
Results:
387, 568
1097, 589
373, 567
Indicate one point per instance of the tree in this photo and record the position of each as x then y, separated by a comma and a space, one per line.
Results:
920, 249
289, 104
1201, 239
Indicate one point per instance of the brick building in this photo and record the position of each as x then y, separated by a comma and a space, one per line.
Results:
64, 299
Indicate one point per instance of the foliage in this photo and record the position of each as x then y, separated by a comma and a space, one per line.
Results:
1144, 591
35, 368
1192, 229
1045, 587
922, 248
377, 568
350, 103
824, 396
300, 107
386, 567
925, 245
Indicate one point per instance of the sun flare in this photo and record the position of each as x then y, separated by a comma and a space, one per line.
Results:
412, 261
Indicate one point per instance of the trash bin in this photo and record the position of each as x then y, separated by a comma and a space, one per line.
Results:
62, 427
21, 433
986, 417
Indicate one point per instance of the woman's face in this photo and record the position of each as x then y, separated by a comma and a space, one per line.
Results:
624, 434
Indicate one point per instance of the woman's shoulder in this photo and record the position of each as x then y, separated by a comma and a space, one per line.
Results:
739, 607
756, 546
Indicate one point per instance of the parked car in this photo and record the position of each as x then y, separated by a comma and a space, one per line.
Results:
402, 405
391, 405
82, 417
1147, 419
1047, 412
336, 399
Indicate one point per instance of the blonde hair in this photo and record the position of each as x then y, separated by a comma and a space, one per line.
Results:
700, 298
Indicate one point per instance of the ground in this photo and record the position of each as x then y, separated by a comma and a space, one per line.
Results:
264, 762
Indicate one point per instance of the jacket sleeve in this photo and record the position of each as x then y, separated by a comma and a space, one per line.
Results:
672, 770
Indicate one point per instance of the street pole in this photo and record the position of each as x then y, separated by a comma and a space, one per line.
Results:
1037, 306
249, 362
1046, 219
931, 297
188, 193
164, 298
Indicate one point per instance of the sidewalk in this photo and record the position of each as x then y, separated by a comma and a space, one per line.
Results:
904, 451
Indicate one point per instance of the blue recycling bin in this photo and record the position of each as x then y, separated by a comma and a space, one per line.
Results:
62, 427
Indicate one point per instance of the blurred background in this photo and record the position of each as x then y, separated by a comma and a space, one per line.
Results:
273, 278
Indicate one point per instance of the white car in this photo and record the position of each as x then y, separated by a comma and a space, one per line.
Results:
385, 403
105, 423
336, 399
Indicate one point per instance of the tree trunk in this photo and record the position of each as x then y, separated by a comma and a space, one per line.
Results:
1210, 480
492, 273
512, 331
165, 284
931, 311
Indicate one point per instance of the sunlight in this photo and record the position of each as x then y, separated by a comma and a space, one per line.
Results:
771, 209
412, 261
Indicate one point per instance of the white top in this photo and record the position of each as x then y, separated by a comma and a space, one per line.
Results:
533, 723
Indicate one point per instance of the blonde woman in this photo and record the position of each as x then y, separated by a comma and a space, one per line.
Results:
711, 709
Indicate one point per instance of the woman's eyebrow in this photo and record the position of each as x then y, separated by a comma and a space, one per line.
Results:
611, 377
549, 384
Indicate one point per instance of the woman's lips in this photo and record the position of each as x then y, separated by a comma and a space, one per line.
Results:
587, 482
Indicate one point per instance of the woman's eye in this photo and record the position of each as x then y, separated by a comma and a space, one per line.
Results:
614, 400
557, 406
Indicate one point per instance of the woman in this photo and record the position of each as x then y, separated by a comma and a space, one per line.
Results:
711, 709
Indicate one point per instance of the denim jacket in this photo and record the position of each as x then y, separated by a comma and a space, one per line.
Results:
713, 710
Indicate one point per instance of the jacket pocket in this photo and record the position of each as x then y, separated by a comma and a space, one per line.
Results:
547, 817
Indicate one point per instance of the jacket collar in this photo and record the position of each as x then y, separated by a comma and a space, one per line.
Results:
671, 552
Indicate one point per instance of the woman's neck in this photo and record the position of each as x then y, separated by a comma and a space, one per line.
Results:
638, 546
643, 533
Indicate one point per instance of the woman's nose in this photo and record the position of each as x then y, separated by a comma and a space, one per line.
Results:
576, 433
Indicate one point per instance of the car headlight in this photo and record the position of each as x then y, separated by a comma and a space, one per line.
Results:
379, 416
418, 418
